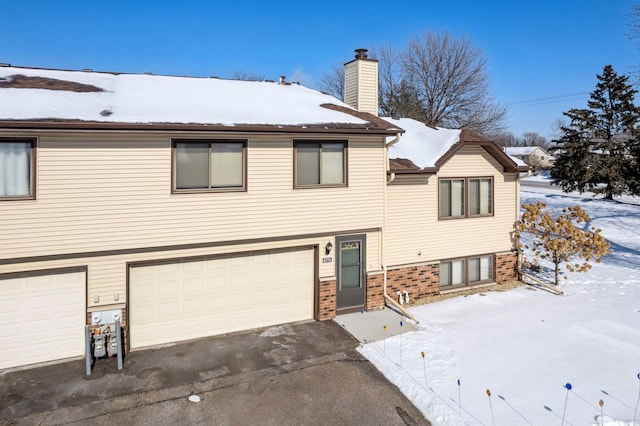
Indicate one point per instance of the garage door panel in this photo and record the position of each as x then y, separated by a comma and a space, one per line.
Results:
220, 295
194, 285
167, 310
194, 308
42, 319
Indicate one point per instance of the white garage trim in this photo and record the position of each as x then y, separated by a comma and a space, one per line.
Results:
181, 299
42, 316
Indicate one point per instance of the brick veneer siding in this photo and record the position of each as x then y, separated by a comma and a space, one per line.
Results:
375, 292
419, 281
506, 268
327, 300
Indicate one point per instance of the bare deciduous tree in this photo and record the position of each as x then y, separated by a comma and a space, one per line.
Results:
332, 82
449, 77
437, 79
534, 139
504, 139
527, 139
248, 76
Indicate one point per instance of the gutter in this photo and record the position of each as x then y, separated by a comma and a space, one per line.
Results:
394, 140
388, 301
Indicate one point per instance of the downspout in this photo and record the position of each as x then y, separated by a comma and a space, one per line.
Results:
392, 143
387, 299
520, 259
392, 177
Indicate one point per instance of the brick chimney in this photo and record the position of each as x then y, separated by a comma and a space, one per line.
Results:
361, 83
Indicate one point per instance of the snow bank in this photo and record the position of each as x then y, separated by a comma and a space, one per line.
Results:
524, 345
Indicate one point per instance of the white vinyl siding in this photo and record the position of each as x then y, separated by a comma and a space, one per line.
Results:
16, 169
90, 199
196, 298
414, 232
361, 85
42, 318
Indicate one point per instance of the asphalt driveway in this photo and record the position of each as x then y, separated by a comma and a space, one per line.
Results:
302, 374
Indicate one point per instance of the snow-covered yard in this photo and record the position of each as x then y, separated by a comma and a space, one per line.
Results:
525, 345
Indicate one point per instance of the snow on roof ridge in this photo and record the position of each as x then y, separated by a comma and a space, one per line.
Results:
150, 98
146, 73
422, 144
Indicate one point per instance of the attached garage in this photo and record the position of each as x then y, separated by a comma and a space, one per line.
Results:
186, 299
42, 317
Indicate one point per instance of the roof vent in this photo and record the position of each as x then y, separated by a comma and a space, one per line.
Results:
4, 65
361, 53
282, 80
87, 70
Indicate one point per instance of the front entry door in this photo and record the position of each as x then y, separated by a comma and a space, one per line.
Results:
351, 279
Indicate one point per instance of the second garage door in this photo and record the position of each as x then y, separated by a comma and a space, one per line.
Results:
42, 317
180, 300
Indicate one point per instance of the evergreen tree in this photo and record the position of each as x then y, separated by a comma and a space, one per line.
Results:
560, 237
570, 170
596, 146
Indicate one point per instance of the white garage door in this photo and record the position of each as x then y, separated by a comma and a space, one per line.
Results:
42, 318
196, 298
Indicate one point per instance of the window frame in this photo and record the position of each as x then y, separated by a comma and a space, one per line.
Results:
32, 168
467, 214
210, 189
467, 272
345, 162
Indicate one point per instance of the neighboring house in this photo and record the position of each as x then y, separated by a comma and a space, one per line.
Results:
191, 207
534, 156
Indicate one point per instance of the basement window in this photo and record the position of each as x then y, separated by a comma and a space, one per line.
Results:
465, 272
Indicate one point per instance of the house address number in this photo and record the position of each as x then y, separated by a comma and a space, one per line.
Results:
327, 259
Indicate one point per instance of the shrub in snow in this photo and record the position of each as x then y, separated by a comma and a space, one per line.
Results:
560, 238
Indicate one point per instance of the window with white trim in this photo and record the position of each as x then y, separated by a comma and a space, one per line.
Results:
466, 272
465, 197
17, 169
320, 163
209, 165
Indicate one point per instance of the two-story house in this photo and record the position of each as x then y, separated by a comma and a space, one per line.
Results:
189, 207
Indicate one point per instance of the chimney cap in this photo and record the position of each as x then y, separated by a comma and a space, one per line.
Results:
361, 53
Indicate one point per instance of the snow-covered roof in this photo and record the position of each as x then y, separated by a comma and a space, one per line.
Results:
30, 94
427, 147
518, 161
421, 144
520, 150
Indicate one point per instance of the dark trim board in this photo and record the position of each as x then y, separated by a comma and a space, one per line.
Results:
156, 249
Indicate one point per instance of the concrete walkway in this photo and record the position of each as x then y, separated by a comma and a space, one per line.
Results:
375, 326
297, 374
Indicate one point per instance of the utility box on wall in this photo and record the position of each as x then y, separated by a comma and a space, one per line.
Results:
106, 317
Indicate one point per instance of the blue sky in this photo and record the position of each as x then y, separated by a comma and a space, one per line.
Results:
542, 55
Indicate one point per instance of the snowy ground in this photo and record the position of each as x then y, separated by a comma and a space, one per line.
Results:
524, 345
